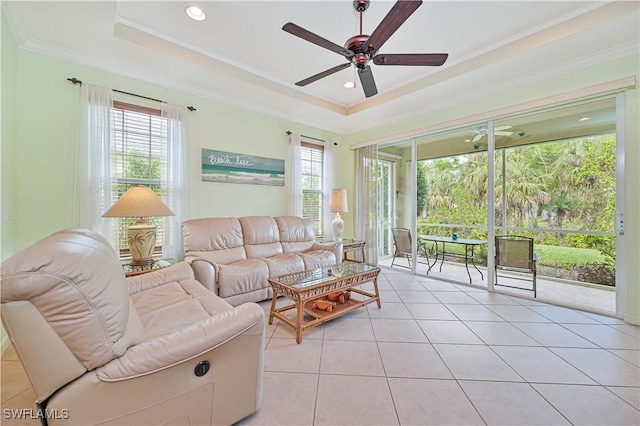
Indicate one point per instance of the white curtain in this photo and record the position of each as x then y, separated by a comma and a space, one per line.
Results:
95, 183
327, 186
367, 185
175, 179
295, 176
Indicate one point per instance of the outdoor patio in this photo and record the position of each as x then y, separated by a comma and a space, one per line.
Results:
549, 290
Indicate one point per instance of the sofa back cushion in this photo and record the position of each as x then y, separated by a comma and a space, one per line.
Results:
296, 233
219, 238
261, 236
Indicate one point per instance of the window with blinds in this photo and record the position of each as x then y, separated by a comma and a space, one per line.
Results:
312, 166
139, 144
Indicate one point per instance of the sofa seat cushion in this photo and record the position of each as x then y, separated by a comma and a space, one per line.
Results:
318, 258
242, 276
167, 308
284, 264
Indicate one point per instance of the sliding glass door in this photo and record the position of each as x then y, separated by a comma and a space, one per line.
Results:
553, 176
556, 183
451, 192
386, 204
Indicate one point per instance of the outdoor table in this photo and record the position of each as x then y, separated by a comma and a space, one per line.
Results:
469, 251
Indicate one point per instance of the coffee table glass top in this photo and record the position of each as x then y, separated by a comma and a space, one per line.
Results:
318, 276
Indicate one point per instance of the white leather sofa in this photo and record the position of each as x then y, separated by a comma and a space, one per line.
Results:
233, 257
99, 348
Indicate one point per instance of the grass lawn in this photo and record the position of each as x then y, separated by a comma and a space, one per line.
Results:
567, 257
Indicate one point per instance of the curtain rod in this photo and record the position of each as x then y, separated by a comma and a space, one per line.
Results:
76, 81
309, 137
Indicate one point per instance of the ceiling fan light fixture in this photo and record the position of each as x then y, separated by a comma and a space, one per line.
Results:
195, 13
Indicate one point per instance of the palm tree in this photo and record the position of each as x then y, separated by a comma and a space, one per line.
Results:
562, 204
569, 157
525, 194
440, 181
474, 176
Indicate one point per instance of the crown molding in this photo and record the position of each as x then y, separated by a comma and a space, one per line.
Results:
628, 49
56, 52
604, 56
120, 20
342, 124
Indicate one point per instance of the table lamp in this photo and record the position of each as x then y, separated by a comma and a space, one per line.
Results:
140, 201
338, 205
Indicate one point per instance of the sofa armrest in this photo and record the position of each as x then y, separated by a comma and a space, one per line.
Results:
205, 271
179, 271
183, 345
333, 246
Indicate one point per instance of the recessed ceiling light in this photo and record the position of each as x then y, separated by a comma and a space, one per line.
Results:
195, 13
585, 119
349, 85
467, 140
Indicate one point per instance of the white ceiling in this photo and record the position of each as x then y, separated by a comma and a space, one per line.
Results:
240, 55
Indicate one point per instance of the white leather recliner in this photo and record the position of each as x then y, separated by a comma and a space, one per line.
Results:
157, 348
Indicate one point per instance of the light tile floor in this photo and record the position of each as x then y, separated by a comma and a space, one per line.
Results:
466, 357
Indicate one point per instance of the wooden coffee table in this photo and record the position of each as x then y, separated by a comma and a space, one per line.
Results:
306, 287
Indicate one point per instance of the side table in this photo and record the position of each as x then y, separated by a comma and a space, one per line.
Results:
353, 245
132, 270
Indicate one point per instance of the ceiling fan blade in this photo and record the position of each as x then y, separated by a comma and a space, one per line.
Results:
477, 138
323, 74
316, 39
396, 17
416, 59
502, 128
367, 81
503, 133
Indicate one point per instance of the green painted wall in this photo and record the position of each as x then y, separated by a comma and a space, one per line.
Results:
8, 141
601, 73
47, 111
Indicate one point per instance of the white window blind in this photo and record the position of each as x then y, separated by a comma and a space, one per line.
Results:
311, 158
139, 141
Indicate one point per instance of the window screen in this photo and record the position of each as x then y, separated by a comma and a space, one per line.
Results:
312, 192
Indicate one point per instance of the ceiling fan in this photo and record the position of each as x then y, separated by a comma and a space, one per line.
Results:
483, 131
360, 49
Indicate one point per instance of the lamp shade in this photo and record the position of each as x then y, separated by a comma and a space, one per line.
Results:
339, 202
138, 201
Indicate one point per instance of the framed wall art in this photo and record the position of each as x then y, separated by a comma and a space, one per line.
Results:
221, 166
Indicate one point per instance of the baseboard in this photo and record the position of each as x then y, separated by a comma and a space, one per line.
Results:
632, 320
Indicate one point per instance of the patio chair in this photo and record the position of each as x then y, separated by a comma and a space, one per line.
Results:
515, 254
403, 246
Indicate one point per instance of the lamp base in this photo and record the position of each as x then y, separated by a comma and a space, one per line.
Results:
142, 242
338, 227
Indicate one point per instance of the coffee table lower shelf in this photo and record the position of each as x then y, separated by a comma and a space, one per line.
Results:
320, 316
